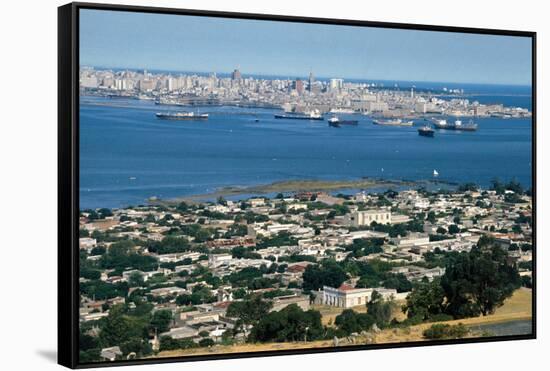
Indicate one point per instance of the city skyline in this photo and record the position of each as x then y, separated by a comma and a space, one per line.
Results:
303, 76
123, 40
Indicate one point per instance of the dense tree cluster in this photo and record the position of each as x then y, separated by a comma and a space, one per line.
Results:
365, 246
249, 312
289, 324
121, 328
328, 273
475, 283
281, 239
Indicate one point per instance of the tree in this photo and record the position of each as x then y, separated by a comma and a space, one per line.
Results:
206, 342
289, 324
91, 274
116, 328
350, 321
453, 229
425, 301
517, 229
182, 207
380, 309
365, 246
98, 250
161, 320
136, 345
248, 311
477, 282
398, 282
136, 279
167, 343
86, 342
329, 273
169, 244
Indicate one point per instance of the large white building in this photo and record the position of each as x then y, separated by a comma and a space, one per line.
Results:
346, 296
366, 217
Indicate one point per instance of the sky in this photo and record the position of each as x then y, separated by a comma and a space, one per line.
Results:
117, 39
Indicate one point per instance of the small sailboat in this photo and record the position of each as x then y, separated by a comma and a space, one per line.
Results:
436, 174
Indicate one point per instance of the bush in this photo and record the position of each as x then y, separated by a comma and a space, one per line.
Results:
206, 342
441, 331
441, 317
167, 343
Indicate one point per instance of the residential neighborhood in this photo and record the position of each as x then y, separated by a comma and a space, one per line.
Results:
188, 275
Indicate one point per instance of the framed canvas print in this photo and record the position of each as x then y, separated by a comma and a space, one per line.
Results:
241, 185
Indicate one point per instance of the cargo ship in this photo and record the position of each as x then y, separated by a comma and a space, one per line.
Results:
426, 131
181, 116
457, 125
337, 120
396, 122
334, 122
300, 116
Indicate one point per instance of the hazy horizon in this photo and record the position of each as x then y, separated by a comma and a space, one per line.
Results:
164, 42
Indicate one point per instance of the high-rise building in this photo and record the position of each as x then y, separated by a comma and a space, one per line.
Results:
299, 86
311, 81
236, 74
336, 84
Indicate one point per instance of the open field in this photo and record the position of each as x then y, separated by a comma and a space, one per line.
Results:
518, 307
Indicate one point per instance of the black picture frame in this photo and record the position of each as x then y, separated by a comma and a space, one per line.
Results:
68, 179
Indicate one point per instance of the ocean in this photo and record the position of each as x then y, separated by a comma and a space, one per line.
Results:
128, 155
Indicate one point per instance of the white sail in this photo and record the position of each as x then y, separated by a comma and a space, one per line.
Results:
436, 173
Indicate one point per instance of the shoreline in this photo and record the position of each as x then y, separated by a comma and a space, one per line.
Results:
425, 116
301, 185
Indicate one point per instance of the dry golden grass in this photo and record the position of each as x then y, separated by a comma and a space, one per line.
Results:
518, 307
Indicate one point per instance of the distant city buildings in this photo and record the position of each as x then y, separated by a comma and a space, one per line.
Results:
295, 95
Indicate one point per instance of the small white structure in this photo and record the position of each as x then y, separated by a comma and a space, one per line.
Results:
87, 243
215, 260
111, 354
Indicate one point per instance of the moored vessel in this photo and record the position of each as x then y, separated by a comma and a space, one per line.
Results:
300, 116
457, 125
396, 122
336, 119
181, 116
426, 131
334, 122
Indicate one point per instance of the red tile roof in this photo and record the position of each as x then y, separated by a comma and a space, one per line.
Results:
345, 287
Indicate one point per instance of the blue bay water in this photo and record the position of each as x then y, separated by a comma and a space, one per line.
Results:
127, 155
